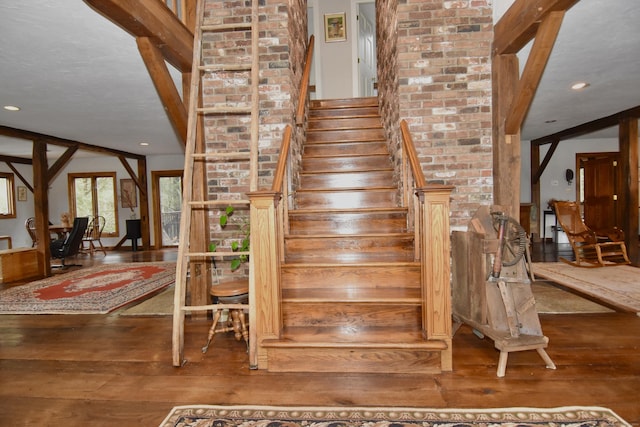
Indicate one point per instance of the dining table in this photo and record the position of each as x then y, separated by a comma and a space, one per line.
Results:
60, 229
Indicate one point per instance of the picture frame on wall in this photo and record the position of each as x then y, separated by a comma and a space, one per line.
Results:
128, 194
335, 27
22, 194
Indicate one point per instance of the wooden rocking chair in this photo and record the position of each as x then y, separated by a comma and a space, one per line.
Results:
587, 246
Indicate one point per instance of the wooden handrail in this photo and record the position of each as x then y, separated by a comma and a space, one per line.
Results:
412, 155
304, 87
282, 160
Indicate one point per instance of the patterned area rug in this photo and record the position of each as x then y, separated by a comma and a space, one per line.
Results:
616, 286
95, 290
259, 416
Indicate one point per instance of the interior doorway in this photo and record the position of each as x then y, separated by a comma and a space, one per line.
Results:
367, 61
599, 181
167, 204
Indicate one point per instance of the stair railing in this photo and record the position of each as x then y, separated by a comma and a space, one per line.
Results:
433, 247
304, 86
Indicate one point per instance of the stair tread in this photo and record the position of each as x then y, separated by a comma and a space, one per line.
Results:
401, 235
338, 113
342, 172
394, 209
369, 264
354, 294
374, 337
347, 189
319, 104
348, 259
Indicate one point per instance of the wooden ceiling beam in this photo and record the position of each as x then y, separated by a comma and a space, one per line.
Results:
520, 23
547, 158
61, 162
141, 187
153, 19
536, 62
12, 159
54, 140
589, 127
20, 176
165, 86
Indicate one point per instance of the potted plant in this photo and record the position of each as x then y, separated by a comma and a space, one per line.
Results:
241, 245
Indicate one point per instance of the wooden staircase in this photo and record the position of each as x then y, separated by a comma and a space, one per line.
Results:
351, 295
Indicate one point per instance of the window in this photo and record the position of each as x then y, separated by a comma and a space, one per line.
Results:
93, 194
7, 196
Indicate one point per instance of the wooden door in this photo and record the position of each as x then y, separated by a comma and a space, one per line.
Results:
366, 54
600, 181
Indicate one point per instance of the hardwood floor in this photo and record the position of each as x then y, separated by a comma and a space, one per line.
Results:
112, 370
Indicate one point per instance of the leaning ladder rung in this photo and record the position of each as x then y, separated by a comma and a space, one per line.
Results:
224, 110
225, 67
223, 203
214, 307
226, 27
236, 155
216, 254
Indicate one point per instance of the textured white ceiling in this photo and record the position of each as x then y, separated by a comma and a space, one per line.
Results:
78, 76
599, 43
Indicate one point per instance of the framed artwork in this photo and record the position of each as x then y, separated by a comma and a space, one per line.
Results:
22, 194
335, 27
128, 194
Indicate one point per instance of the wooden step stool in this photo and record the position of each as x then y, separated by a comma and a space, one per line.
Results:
233, 296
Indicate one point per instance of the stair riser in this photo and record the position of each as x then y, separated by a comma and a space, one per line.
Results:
346, 180
335, 149
332, 113
345, 123
343, 223
348, 245
340, 164
362, 135
345, 199
389, 361
349, 315
370, 276
344, 103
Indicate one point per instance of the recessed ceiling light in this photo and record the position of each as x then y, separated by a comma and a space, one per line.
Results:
579, 85
144, 144
11, 108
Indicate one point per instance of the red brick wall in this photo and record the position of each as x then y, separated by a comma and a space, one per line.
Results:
434, 71
444, 92
280, 72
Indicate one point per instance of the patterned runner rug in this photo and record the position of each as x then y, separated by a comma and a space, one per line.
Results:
95, 290
258, 416
616, 286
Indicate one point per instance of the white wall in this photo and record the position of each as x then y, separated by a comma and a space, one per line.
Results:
334, 62
58, 194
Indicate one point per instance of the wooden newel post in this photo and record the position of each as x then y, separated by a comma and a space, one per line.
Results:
435, 253
265, 314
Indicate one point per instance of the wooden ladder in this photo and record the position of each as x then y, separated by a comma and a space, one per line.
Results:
195, 151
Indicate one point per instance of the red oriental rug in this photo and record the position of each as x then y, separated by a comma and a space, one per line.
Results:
95, 290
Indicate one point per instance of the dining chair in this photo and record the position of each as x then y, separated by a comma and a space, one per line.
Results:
93, 234
70, 245
30, 225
